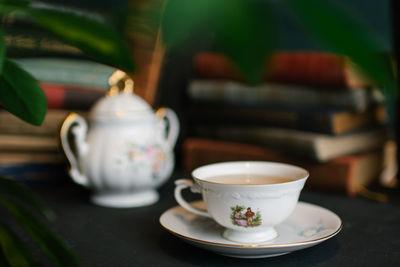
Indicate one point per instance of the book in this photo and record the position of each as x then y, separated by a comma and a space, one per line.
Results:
314, 68
29, 143
314, 146
12, 125
329, 121
275, 94
67, 71
70, 96
24, 38
33, 168
346, 174
14, 158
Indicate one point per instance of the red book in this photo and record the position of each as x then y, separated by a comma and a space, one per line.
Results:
73, 97
346, 174
298, 67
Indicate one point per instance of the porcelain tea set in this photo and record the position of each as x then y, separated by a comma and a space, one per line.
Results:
125, 152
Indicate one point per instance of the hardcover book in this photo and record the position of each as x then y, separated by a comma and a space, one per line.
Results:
34, 167
329, 121
275, 94
314, 68
315, 146
70, 96
29, 143
12, 125
67, 71
24, 38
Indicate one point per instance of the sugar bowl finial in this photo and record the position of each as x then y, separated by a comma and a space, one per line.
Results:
115, 80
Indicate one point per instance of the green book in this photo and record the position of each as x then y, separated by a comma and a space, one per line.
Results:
67, 71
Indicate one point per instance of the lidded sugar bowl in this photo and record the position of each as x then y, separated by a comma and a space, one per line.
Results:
125, 151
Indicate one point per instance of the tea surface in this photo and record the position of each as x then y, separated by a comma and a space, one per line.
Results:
247, 179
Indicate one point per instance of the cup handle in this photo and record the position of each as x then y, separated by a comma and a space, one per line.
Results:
179, 186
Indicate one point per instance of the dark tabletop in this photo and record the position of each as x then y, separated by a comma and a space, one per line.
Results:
103, 236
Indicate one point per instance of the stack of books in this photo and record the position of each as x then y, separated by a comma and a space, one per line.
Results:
313, 109
31, 153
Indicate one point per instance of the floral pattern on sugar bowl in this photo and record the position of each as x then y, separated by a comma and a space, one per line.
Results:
146, 160
125, 154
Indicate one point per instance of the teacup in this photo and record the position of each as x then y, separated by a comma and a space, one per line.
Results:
248, 198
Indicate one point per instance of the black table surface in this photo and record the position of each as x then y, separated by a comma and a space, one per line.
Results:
102, 236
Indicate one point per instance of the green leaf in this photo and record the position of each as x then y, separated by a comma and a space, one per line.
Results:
21, 95
246, 34
2, 50
3, 260
48, 242
16, 3
344, 33
13, 249
244, 31
182, 18
94, 38
12, 188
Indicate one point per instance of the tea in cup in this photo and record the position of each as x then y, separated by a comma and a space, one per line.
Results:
248, 198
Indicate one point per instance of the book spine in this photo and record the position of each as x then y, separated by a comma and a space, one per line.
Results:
19, 143
275, 94
321, 69
349, 174
12, 125
328, 147
70, 97
35, 173
316, 147
24, 38
67, 71
314, 120
299, 143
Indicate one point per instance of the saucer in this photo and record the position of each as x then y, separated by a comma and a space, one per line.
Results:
307, 226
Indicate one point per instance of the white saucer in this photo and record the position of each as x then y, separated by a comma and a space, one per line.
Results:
308, 225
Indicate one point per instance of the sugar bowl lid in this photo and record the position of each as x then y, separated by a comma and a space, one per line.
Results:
120, 104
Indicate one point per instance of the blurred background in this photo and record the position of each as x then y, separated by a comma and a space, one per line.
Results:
311, 106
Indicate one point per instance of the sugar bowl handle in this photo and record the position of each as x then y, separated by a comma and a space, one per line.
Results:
173, 124
79, 127
186, 183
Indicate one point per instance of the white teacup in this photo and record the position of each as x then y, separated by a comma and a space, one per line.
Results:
248, 198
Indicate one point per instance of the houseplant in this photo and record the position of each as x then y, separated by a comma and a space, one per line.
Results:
21, 95
236, 24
